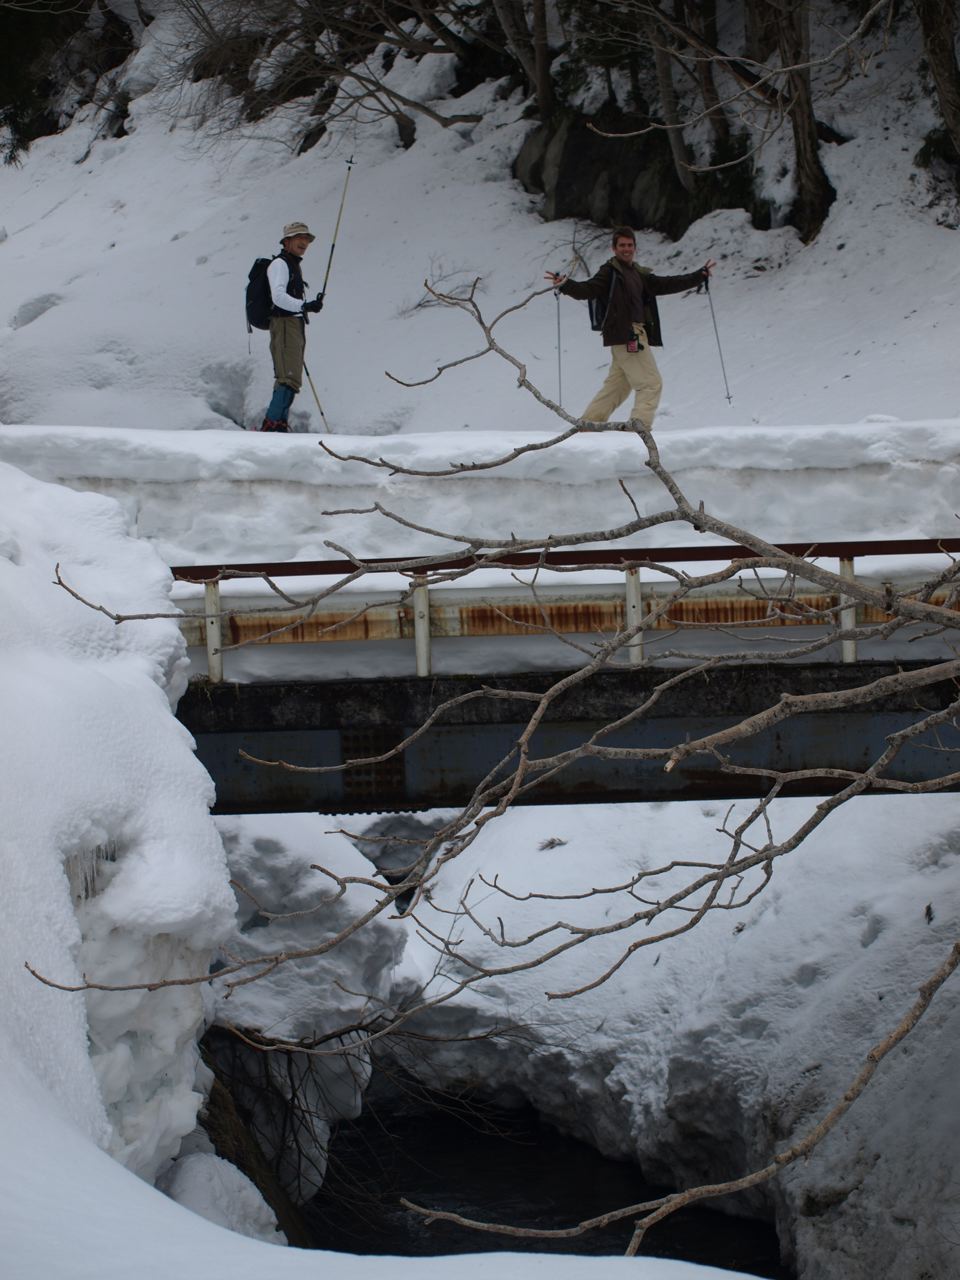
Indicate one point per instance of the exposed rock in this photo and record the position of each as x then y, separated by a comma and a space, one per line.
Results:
234, 1142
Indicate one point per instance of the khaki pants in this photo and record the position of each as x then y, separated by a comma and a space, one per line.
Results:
287, 342
634, 371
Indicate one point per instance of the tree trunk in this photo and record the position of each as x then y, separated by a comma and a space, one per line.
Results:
938, 22
814, 195
541, 58
455, 43
668, 102
703, 17
759, 30
531, 53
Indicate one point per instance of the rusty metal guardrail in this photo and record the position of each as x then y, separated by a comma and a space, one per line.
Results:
422, 614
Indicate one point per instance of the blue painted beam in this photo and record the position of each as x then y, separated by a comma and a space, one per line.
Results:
326, 724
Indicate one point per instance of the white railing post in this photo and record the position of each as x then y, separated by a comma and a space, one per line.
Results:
421, 625
848, 613
211, 600
634, 616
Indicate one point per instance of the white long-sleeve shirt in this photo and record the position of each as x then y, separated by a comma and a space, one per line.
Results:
278, 274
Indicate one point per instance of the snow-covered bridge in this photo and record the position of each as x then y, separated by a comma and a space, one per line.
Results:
323, 741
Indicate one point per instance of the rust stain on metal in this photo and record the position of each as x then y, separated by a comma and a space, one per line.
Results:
525, 619
569, 617
739, 610
374, 624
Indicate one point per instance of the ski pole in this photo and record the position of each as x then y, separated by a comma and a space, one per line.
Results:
323, 416
556, 294
713, 316
336, 229
559, 357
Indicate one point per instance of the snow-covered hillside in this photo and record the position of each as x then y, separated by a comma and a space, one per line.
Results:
125, 260
126, 375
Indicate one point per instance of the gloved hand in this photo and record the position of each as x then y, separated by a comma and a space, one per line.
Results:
314, 306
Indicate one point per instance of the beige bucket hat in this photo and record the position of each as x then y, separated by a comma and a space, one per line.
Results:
297, 229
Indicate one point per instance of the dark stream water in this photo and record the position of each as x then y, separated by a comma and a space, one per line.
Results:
504, 1166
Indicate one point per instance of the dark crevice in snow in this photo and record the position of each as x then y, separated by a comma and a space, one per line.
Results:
472, 1156
230, 1132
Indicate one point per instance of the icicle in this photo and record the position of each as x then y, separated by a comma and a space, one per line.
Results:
82, 869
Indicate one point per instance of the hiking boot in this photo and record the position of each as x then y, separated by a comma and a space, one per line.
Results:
274, 424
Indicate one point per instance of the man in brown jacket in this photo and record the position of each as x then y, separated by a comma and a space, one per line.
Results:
631, 325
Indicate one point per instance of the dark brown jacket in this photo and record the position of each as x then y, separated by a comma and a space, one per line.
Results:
617, 325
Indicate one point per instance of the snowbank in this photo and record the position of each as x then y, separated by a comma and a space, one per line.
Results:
214, 496
112, 865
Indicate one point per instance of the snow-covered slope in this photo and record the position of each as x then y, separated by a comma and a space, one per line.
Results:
124, 263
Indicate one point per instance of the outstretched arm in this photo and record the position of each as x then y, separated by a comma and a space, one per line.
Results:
660, 285
596, 287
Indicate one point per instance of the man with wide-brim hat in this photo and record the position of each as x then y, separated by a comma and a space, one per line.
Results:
287, 321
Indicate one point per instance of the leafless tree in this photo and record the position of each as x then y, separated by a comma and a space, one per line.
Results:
766, 83
253, 58
529, 44
814, 191
258, 56
938, 22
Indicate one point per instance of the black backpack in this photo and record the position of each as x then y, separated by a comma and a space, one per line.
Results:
258, 299
598, 306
